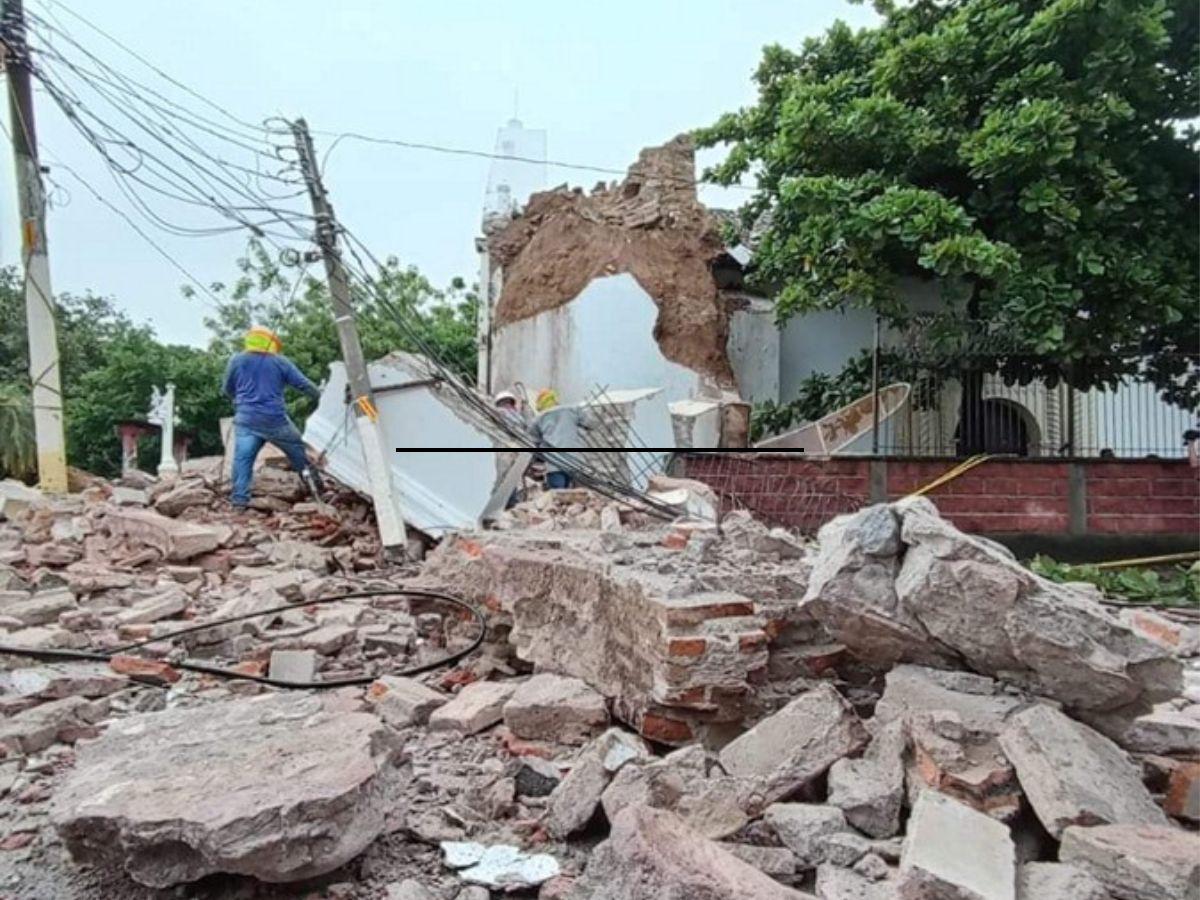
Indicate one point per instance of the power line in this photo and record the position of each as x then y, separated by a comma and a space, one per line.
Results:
506, 157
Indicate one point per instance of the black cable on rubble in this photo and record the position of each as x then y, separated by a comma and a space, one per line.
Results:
62, 655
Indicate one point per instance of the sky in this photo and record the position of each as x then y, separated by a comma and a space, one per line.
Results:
603, 81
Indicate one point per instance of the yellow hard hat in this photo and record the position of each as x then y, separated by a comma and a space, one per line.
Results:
262, 340
547, 398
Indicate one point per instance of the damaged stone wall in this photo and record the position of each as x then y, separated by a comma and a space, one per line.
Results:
651, 226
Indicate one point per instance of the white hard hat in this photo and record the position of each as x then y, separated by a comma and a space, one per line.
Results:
506, 395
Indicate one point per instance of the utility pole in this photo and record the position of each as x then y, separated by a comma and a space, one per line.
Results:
39, 302
366, 415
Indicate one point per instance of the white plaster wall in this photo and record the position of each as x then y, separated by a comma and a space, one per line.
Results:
754, 348
825, 341
602, 338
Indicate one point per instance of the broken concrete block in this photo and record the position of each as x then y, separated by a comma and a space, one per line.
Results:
966, 765
711, 803
787, 750
129, 496
176, 540
836, 883
183, 496
870, 791
169, 604
302, 791
575, 800
843, 848
16, 498
36, 728
42, 608
329, 639
54, 682
294, 666
952, 852
476, 707
652, 855
1136, 862
773, 861
937, 594
55, 554
1164, 731
1057, 881
1073, 775
801, 826
556, 708
409, 890
402, 702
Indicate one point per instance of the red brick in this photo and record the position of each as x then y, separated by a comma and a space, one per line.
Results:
686, 647
666, 731
139, 668
752, 641
1148, 506
1184, 786
1118, 487
1175, 487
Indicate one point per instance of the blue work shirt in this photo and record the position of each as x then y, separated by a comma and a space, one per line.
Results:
255, 383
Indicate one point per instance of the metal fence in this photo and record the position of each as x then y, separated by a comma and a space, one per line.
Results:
1028, 406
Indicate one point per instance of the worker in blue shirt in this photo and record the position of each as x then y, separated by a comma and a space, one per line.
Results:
255, 381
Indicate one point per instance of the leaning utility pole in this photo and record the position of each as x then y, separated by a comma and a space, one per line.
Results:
39, 302
366, 415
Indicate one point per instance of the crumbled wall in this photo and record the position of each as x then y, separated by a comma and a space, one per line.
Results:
652, 226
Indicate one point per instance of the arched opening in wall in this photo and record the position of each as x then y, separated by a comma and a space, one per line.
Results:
998, 426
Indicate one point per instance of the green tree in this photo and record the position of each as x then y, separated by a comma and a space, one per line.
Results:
119, 388
403, 312
1031, 154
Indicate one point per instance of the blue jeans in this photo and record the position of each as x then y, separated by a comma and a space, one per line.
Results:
249, 440
559, 481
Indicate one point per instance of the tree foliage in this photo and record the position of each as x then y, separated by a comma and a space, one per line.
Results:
404, 312
109, 364
1031, 153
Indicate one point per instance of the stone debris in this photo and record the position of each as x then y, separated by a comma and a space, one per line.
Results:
899, 583
403, 702
575, 800
710, 802
952, 852
652, 855
786, 751
476, 707
801, 827
554, 708
870, 790
1137, 862
660, 709
1073, 775
500, 867
1057, 881
273, 786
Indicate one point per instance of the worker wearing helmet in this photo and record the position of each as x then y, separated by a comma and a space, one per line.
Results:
255, 381
559, 428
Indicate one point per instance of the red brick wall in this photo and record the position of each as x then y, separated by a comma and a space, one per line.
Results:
1143, 498
1134, 497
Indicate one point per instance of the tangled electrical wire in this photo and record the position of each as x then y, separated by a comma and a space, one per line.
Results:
63, 655
158, 150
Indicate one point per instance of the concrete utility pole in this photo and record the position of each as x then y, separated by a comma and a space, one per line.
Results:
376, 454
39, 302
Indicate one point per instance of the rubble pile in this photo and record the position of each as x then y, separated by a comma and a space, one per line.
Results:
661, 710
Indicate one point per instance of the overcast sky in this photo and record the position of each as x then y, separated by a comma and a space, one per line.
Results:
603, 80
